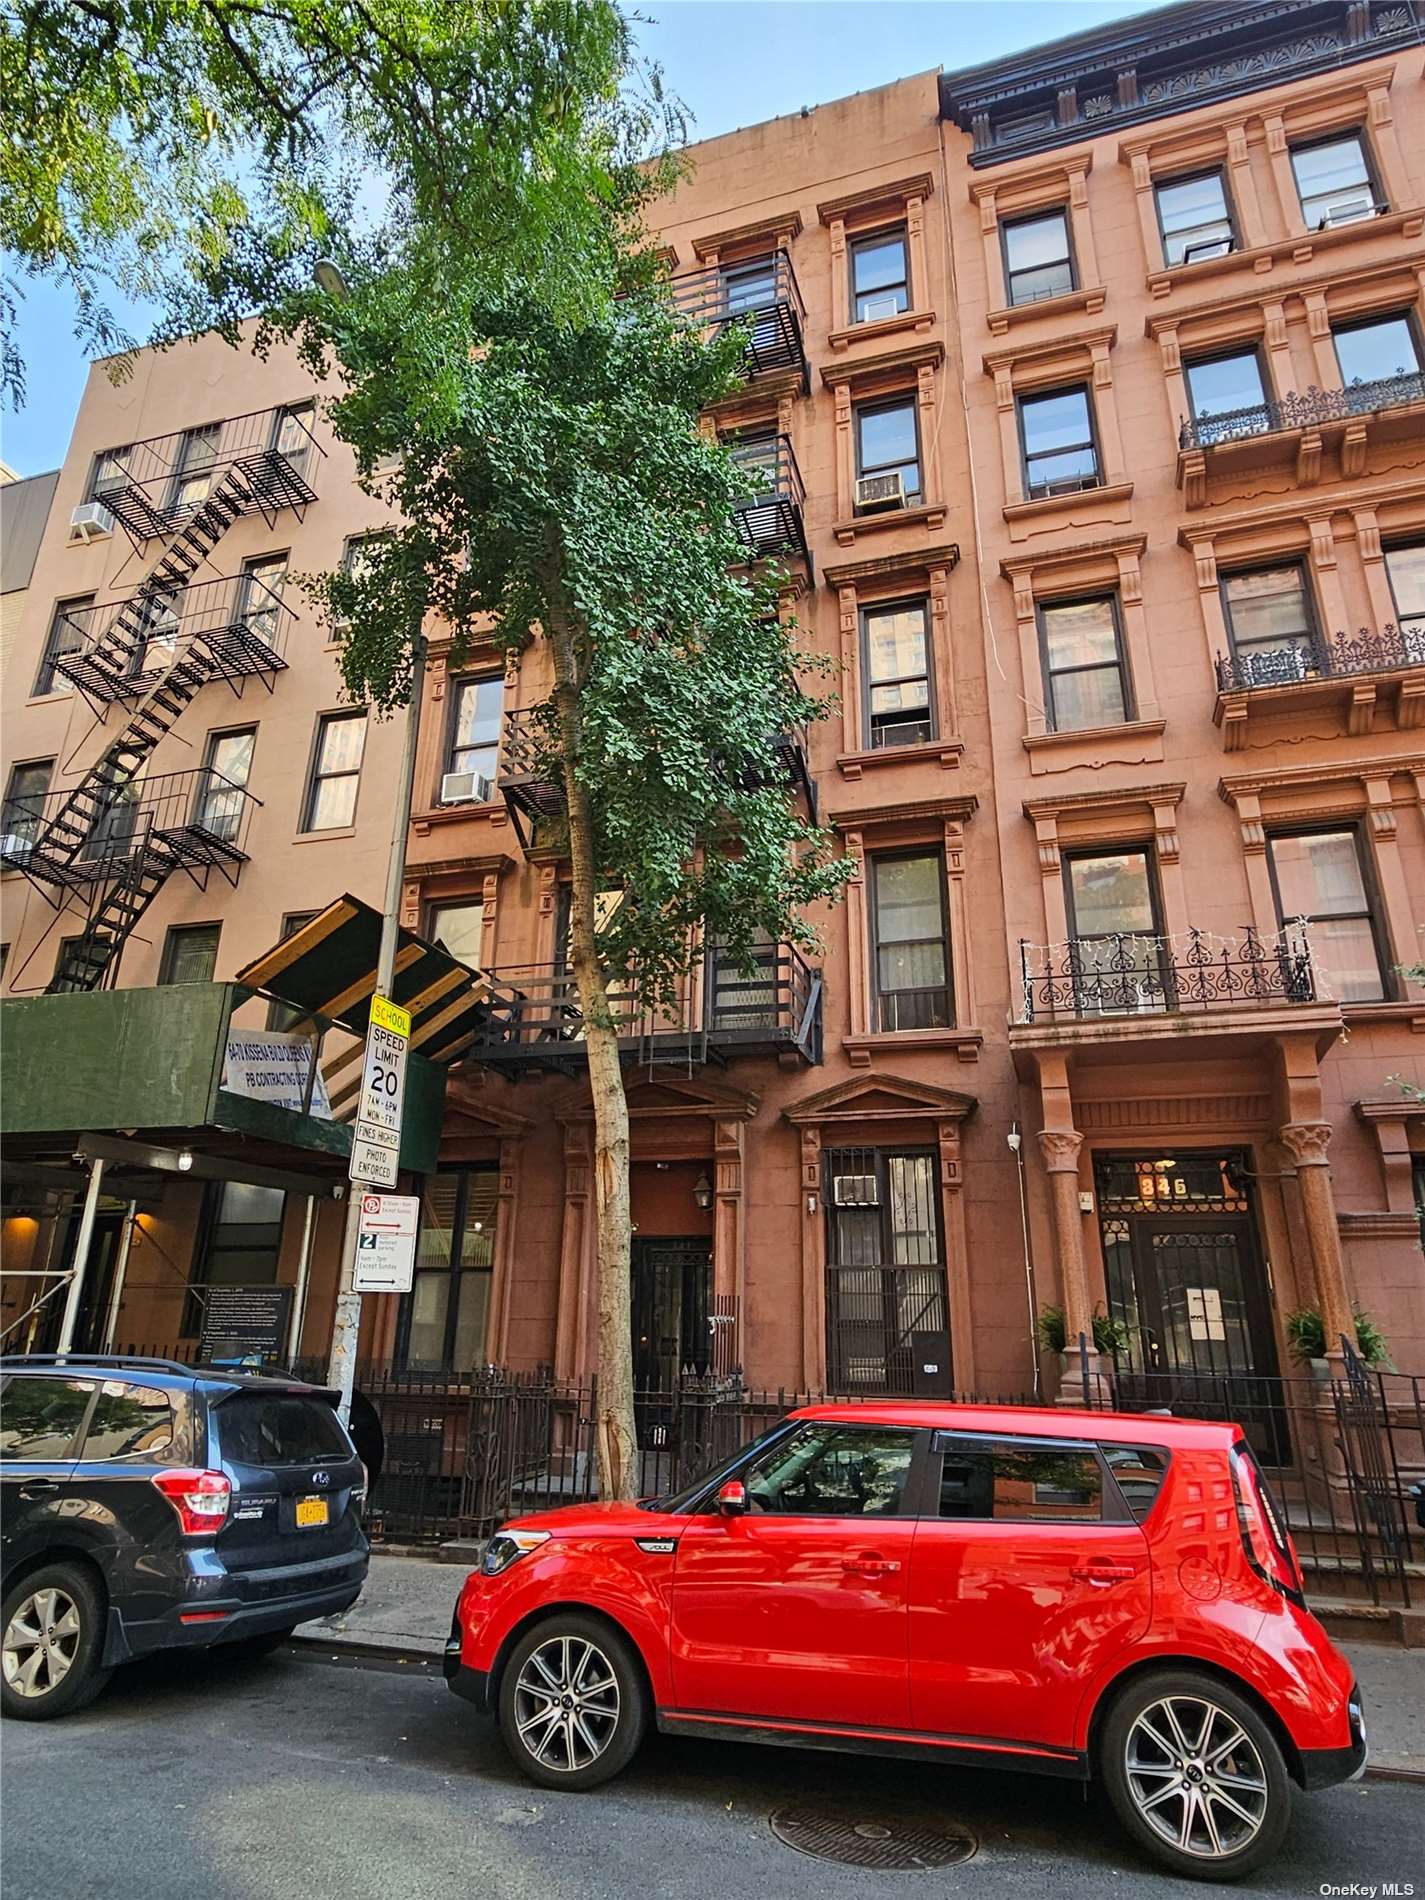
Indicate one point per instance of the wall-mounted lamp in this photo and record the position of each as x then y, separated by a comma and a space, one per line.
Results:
185, 1160
703, 1191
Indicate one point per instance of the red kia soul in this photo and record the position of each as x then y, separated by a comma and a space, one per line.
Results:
1073, 1593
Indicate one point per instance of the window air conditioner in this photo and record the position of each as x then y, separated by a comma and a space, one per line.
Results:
873, 308
877, 494
855, 1190
1347, 214
91, 521
465, 788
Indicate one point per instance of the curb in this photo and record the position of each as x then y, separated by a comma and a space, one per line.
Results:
344, 1649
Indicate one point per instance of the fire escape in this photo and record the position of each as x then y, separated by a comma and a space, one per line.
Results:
116, 838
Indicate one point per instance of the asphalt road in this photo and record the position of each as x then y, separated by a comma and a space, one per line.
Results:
302, 1779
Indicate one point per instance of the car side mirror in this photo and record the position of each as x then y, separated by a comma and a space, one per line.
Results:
732, 1498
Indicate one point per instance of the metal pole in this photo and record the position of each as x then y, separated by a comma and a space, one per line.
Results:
1015, 1141
304, 1274
81, 1255
346, 1321
121, 1266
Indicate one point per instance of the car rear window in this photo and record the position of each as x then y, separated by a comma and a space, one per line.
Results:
1139, 1471
279, 1428
39, 1417
128, 1421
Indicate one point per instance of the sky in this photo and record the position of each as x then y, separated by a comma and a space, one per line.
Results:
732, 62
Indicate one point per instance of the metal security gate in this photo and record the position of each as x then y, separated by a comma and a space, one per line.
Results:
887, 1317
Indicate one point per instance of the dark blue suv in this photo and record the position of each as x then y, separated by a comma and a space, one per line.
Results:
146, 1505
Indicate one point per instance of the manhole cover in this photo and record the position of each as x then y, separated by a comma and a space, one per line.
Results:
888, 1841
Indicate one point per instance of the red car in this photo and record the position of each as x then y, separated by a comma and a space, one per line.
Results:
1073, 1593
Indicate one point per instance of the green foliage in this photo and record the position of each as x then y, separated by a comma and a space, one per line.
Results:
1306, 1338
1110, 1336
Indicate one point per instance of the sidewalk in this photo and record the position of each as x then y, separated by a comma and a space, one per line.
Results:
408, 1603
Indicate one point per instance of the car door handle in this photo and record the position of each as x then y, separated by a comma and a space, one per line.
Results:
38, 1487
1104, 1572
870, 1565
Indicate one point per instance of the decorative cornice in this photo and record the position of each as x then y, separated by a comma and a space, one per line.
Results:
894, 192
1073, 553
1249, 301
1066, 343
879, 816
1378, 1226
778, 229
891, 566
1390, 1108
1104, 799
845, 1101
1156, 65
1280, 778
856, 369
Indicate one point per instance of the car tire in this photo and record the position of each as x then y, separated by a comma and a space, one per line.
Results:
1195, 1775
573, 1703
51, 1644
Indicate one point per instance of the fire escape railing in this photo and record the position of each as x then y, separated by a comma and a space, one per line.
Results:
126, 645
771, 518
763, 294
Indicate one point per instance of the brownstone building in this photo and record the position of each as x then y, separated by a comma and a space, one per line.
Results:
1086, 409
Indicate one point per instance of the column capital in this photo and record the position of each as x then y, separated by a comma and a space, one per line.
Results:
1060, 1148
1307, 1142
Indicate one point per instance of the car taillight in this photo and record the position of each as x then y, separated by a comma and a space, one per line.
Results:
1265, 1537
201, 1499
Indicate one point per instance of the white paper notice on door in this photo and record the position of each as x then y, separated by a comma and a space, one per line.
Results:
1204, 1311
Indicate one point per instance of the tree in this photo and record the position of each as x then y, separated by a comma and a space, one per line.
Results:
505, 335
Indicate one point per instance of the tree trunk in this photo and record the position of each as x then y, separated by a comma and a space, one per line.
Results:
614, 1425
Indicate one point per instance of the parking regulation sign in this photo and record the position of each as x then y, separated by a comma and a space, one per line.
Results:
386, 1243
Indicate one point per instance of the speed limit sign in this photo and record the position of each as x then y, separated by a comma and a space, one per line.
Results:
376, 1139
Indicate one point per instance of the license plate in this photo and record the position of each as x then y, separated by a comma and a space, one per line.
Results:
310, 1513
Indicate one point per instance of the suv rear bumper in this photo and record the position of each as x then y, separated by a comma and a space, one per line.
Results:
226, 1608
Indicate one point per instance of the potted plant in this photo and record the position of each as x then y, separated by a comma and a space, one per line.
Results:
1110, 1336
1306, 1342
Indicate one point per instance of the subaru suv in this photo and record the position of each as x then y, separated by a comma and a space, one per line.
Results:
149, 1505
1099, 1596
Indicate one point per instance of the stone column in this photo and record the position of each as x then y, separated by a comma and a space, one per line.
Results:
1060, 1148
1306, 1143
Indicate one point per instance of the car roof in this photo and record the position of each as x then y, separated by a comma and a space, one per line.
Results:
216, 1381
1032, 1421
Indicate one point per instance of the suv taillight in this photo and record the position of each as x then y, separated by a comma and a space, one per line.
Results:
1265, 1537
201, 1499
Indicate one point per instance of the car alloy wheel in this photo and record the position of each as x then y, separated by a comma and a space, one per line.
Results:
1195, 1777
41, 1642
566, 1704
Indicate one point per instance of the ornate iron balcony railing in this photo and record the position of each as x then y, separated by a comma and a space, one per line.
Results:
1303, 409
1127, 974
1388, 649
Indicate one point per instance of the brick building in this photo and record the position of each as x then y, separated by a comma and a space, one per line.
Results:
1086, 405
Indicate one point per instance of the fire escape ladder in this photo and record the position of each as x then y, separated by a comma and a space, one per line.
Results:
90, 960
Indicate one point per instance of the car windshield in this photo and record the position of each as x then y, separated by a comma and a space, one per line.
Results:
680, 1500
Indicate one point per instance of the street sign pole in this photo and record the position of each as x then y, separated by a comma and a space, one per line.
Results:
346, 1322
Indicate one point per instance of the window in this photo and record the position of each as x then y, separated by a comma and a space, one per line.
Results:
336, 771
260, 596
1038, 258
1057, 435
241, 1240
880, 276
24, 807
887, 1321
225, 774
111, 475
1085, 678
155, 649
1228, 387
896, 654
357, 561
193, 478
910, 962
444, 1316
1270, 623
127, 1421
1018, 1483
1378, 350
888, 445
748, 287
459, 929
70, 985
474, 746
1138, 1471
1333, 181
1195, 218
65, 636
283, 1015
39, 1417
1113, 921
831, 1470
292, 436
1319, 876
1405, 566
190, 953
279, 1428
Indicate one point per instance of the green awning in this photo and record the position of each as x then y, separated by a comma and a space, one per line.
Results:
327, 970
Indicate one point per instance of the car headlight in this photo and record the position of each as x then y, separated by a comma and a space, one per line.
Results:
507, 1547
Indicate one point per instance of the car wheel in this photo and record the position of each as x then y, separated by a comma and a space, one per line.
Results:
1195, 1775
573, 1707
53, 1635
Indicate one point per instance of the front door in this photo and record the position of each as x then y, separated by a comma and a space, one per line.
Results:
797, 1610
671, 1333
98, 1282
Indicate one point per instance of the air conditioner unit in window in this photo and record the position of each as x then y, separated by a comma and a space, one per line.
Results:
878, 494
91, 521
873, 308
465, 788
855, 1190
1348, 213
